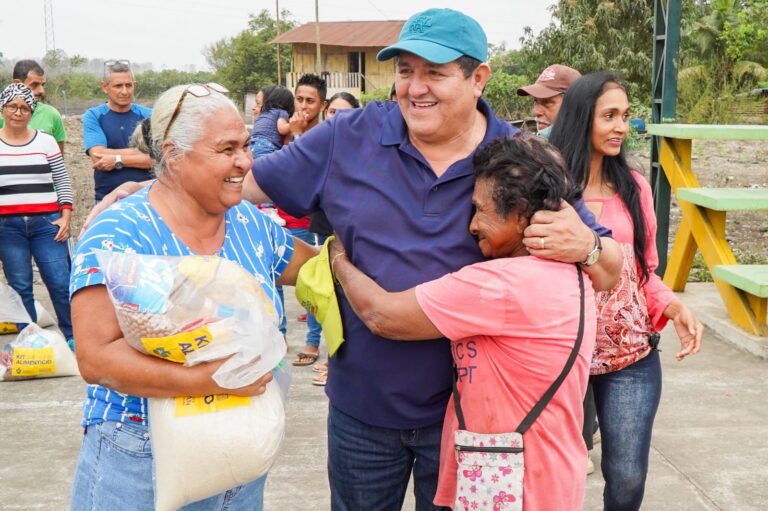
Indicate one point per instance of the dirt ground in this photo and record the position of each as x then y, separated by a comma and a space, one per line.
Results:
717, 163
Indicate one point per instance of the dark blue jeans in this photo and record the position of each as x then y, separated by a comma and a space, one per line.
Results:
369, 467
24, 237
627, 401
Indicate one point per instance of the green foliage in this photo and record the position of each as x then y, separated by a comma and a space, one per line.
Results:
501, 93
248, 61
150, 84
723, 55
381, 94
595, 35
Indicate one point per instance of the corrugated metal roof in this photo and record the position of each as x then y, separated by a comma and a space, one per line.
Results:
346, 33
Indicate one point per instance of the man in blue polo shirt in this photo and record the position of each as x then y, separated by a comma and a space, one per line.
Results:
395, 180
108, 127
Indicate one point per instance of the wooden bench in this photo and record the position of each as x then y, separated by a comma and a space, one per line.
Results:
726, 199
750, 278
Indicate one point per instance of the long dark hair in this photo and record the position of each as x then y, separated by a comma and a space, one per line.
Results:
572, 135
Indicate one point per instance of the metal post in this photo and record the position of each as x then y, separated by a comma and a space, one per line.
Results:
666, 42
317, 39
277, 25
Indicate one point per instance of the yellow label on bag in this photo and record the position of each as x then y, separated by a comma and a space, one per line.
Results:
186, 406
175, 347
8, 328
28, 362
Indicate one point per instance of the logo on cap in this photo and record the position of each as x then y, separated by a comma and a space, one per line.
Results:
420, 24
547, 74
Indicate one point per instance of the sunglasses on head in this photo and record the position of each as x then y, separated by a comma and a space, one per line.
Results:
199, 90
113, 62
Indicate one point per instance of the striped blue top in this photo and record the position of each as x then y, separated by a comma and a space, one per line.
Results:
252, 240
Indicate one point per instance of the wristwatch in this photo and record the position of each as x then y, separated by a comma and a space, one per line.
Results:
594, 254
118, 162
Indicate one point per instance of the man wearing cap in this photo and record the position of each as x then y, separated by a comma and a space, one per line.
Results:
547, 93
395, 180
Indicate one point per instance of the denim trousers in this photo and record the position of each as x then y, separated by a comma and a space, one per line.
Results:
23, 237
114, 471
369, 467
626, 402
314, 328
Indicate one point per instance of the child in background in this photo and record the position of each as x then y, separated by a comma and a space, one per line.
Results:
271, 126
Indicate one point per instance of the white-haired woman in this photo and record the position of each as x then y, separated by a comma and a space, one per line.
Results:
35, 206
201, 145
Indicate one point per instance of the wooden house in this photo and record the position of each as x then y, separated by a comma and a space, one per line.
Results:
347, 54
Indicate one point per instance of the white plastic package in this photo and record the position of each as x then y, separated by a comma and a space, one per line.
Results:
12, 310
195, 309
206, 445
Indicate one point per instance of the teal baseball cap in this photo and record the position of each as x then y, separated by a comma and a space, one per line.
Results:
440, 36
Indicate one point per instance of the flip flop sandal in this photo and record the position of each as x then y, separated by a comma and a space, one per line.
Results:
320, 368
320, 380
305, 359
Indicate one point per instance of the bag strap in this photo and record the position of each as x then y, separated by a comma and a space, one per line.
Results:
549, 394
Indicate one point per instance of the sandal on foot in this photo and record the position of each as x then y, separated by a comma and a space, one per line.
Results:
320, 368
305, 359
320, 380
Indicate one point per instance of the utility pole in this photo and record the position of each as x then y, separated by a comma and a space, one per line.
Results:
50, 41
277, 17
317, 39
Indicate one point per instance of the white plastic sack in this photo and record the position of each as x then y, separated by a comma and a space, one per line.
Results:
195, 309
204, 446
37, 353
12, 310
44, 318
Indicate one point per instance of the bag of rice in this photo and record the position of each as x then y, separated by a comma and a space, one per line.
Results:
195, 309
37, 353
203, 446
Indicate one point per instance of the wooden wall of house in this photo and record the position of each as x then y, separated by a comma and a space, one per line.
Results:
335, 59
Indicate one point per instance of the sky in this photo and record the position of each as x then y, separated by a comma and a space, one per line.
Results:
173, 33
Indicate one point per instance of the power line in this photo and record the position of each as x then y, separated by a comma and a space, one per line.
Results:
50, 40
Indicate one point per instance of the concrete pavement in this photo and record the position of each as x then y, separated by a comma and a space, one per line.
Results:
709, 449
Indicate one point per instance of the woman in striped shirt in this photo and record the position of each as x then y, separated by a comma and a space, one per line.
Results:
35, 207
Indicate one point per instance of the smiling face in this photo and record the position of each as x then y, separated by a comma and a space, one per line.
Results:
256, 110
496, 236
119, 91
436, 100
20, 118
611, 122
212, 172
545, 111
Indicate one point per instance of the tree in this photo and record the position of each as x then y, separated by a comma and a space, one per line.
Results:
248, 61
596, 35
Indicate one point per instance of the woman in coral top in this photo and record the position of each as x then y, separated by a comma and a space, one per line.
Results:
512, 322
625, 370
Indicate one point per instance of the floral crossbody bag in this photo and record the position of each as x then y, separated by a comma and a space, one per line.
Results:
493, 465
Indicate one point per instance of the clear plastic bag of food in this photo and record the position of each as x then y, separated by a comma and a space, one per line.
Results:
36, 353
193, 309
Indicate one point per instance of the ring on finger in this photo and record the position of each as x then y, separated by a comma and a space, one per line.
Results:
541, 243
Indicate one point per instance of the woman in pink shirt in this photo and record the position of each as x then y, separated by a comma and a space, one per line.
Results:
625, 370
512, 322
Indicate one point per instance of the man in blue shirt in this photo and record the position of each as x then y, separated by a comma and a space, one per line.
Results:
395, 180
108, 127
